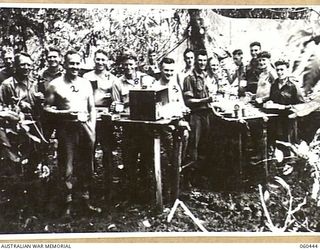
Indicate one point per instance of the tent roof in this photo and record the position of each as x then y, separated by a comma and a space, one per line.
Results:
268, 13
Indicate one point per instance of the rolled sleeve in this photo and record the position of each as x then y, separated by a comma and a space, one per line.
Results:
187, 87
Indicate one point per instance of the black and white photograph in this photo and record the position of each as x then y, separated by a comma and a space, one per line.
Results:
159, 119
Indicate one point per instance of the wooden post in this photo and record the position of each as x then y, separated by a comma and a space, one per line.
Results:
107, 163
177, 153
240, 159
157, 170
265, 147
295, 128
107, 158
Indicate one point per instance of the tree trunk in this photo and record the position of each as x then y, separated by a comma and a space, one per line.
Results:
197, 30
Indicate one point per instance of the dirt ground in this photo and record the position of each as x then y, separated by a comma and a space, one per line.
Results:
34, 205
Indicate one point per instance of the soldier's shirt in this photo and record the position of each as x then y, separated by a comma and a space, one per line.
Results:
265, 81
102, 87
212, 84
182, 75
195, 86
252, 75
121, 89
47, 76
287, 94
236, 73
152, 70
5, 74
174, 94
21, 90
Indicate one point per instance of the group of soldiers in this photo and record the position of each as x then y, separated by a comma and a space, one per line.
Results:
63, 101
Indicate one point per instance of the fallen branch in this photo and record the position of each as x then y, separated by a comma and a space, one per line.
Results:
266, 212
187, 212
272, 159
173, 210
187, 165
302, 224
195, 220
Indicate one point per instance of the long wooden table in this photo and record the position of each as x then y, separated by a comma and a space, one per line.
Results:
244, 119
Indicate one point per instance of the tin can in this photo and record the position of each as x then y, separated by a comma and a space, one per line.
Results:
236, 113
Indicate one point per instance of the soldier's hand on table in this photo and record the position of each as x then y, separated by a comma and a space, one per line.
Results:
82, 116
259, 100
186, 110
314, 96
294, 113
293, 116
216, 113
54, 110
209, 99
265, 118
243, 121
184, 124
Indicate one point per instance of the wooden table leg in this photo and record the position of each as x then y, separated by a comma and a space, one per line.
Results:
265, 147
295, 128
177, 154
157, 170
107, 160
108, 173
240, 160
